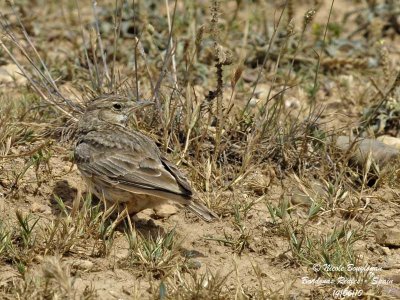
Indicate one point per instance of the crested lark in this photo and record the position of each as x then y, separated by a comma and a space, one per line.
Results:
126, 167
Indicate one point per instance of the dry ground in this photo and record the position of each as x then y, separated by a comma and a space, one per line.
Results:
294, 211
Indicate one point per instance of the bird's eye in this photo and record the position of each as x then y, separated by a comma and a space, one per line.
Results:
117, 106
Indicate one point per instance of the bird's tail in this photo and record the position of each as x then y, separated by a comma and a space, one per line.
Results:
202, 211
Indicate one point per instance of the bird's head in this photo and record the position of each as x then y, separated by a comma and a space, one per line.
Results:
114, 109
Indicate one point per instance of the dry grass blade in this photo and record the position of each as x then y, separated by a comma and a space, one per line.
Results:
168, 55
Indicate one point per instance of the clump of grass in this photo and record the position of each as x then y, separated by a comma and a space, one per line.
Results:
5, 239
157, 255
26, 235
333, 249
22, 243
382, 116
240, 239
35, 236
52, 281
88, 221
185, 286
40, 157
55, 272
280, 211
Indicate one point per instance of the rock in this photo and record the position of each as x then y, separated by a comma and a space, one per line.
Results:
258, 183
292, 103
67, 168
11, 73
249, 75
389, 140
381, 153
193, 264
300, 198
315, 192
389, 223
192, 254
385, 250
395, 278
262, 91
391, 291
253, 102
40, 208
388, 237
83, 265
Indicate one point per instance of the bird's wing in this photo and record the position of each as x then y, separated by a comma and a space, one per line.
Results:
130, 165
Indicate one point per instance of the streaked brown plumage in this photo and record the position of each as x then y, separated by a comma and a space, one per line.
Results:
124, 166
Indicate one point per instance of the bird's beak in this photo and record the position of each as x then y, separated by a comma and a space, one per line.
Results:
144, 103
140, 104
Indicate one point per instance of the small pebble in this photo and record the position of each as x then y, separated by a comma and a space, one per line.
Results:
388, 237
83, 265
193, 264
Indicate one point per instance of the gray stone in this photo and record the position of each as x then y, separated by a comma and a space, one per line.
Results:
388, 237
381, 153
